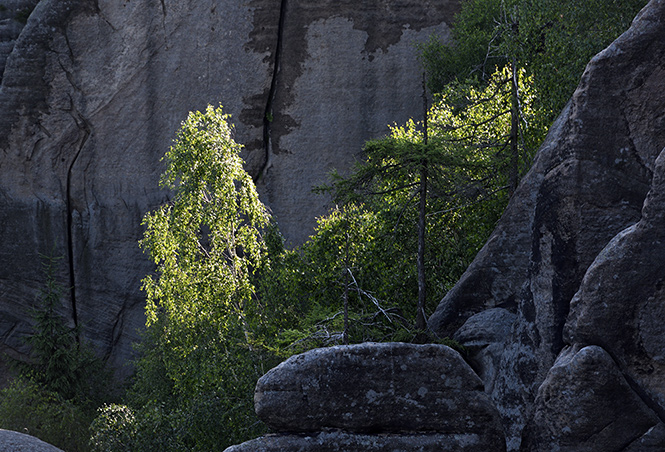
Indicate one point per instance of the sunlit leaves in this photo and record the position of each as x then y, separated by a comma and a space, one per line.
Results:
552, 39
374, 231
201, 309
206, 241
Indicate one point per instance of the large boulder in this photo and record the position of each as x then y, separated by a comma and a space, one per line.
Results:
383, 387
588, 183
339, 441
587, 405
375, 397
93, 92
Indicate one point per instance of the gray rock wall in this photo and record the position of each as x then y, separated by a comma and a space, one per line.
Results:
576, 259
93, 92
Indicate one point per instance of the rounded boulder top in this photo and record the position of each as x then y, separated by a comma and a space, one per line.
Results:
375, 387
20, 442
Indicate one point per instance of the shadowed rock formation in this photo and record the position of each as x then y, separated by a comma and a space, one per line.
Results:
577, 260
20, 442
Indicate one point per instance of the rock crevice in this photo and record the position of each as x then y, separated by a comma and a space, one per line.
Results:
269, 113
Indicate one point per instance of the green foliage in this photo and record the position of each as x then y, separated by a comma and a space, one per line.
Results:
155, 428
469, 57
56, 393
365, 250
557, 39
552, 40
54, 344
207, 241
467, 156
343, 251
27, 406
227, 300
204, 348
60, 361
114, 429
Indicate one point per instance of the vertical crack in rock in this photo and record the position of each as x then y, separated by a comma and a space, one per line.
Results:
85, 128
268, 113
116, 331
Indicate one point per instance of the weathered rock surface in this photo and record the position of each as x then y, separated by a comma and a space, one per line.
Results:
376, 397
93, 92
13, 15
20, 442
621, 302
346, 70
620, 306
588, 183
484, 336
586, 404
388, 387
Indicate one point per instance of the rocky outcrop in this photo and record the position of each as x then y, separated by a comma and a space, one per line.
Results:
93, 92
614, 390
586, 404
577, 260
20, 442
620, 304
336, 441
375, 397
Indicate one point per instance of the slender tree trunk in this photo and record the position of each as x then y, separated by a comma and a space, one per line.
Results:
514, 116
421, 322
346, 290
514, 130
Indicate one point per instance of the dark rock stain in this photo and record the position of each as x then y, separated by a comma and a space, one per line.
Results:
383, 20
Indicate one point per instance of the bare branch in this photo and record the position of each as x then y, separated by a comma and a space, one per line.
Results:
371, 297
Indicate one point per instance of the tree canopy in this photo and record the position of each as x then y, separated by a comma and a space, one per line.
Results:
200, 358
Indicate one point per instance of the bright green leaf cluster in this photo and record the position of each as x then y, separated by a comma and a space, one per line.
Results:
552, 39
201, 355
373, 234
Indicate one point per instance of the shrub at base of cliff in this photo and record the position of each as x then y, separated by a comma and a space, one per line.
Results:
202, 352
56, 394
114, 429
26, 407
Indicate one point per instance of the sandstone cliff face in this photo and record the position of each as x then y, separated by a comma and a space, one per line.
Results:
93, 92
573, 273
